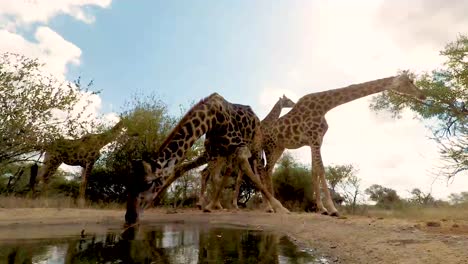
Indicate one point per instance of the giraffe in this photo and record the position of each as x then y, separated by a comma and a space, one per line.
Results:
234, 135
283, 102
265, 124
275, 112
305, 125
76, 152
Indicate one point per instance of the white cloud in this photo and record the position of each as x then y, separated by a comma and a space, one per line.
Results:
430, 22
29, 11
56, 52
348, 42
48, 46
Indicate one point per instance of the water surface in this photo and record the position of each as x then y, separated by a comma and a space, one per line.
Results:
168, 243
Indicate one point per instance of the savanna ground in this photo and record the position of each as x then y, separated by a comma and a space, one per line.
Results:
420, 236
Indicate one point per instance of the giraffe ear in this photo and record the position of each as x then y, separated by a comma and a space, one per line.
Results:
141, 169
171, 165
147, 168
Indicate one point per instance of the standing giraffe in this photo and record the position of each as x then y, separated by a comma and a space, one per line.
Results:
265, 125
233, 132
275, 112
76, 152
305, 125
283, 102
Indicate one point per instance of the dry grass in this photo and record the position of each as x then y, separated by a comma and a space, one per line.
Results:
423, 214
443, 213
62, 202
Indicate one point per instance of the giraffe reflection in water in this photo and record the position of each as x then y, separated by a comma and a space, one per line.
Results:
161, 244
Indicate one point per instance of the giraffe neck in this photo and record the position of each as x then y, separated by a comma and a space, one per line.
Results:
333, 98
109, 135
274, 114
195, 123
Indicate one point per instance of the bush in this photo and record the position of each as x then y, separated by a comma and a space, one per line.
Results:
293, 185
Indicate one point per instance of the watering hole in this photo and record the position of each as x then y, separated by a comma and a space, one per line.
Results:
168, 243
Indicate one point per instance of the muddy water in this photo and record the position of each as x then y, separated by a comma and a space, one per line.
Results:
169, 243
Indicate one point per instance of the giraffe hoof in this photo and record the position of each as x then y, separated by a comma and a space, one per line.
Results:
270, 210
199, 206
324, 213
335, 214
206, 210
282, 210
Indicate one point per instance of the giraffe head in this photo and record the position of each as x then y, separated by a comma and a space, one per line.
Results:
403, 84
144, 185
286, 102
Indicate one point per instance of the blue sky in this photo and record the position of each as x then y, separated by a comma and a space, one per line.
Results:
182, 50
252, 52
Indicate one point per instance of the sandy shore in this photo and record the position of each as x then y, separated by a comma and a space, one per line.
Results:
351, 240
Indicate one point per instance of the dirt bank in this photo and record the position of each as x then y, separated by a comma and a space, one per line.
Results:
351, 240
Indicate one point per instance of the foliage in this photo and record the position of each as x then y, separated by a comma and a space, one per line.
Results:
336, 174
445, 107
384, 197
35, 108
420, 198
148, 123
104, 186
458, 198
351, 192
184, 191
247, 190
14, 180
344, 185
293, 184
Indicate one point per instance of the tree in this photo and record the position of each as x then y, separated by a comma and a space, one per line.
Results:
458, 198
351, 190
384, 197
35, 108
446, 106
336, 174
13, 177
147, 123
14, 180
421, 198
293, 184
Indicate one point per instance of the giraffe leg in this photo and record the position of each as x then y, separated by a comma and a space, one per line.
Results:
269, 208
32, 179
221, 182
328, 199
84, 181
316, 167
205, 175
236, 190
47, 170
242, 157
267, 171
217, 182
215, 172
320, 179
271, 159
